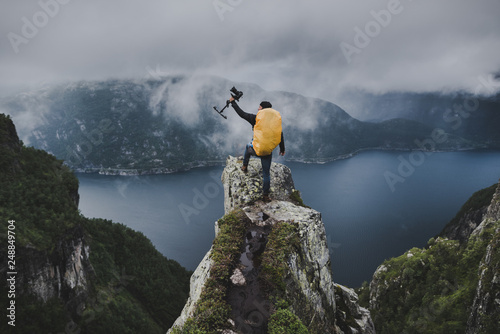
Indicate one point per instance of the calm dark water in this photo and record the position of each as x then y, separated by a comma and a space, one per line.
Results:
375, 205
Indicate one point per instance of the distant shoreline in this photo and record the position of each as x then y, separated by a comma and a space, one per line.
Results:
214, 163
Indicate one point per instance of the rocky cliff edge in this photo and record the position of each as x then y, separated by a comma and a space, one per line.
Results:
260, 295
450, 286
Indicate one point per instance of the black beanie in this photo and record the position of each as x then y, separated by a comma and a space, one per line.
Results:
265, 104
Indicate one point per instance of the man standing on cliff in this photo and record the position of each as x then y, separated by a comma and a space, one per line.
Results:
267, 134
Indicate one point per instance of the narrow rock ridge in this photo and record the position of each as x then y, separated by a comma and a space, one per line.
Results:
310, 289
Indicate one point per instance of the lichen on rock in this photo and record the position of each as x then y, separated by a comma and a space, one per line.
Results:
242, 188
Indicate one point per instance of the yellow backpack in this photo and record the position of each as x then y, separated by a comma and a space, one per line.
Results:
267, 131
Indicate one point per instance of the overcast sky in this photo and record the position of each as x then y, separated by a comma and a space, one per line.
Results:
315, 48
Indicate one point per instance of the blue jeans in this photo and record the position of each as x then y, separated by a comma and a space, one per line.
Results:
266, 167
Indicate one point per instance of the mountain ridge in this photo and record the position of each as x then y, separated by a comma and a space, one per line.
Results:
161, 125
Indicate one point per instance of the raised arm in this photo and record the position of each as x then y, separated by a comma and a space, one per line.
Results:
250, 118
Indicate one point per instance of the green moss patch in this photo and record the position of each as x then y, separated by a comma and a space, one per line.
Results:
284, 321
296, 199
283, 240
430, 290
212, 309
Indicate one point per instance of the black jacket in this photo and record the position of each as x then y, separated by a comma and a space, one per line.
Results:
250, 118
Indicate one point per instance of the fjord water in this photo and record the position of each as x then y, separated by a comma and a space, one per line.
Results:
375, 205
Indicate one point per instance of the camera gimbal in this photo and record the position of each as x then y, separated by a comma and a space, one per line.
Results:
236, 94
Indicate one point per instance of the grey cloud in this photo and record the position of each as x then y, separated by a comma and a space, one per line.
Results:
292, 45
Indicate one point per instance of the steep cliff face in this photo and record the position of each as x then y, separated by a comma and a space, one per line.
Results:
486, 304
67, 273
58, 266
466, 224
470, 216
453, 285
10, 145
264, 284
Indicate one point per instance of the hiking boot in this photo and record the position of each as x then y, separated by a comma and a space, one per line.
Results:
244, 169
266, 198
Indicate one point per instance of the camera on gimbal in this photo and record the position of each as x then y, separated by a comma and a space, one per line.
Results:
236, 94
